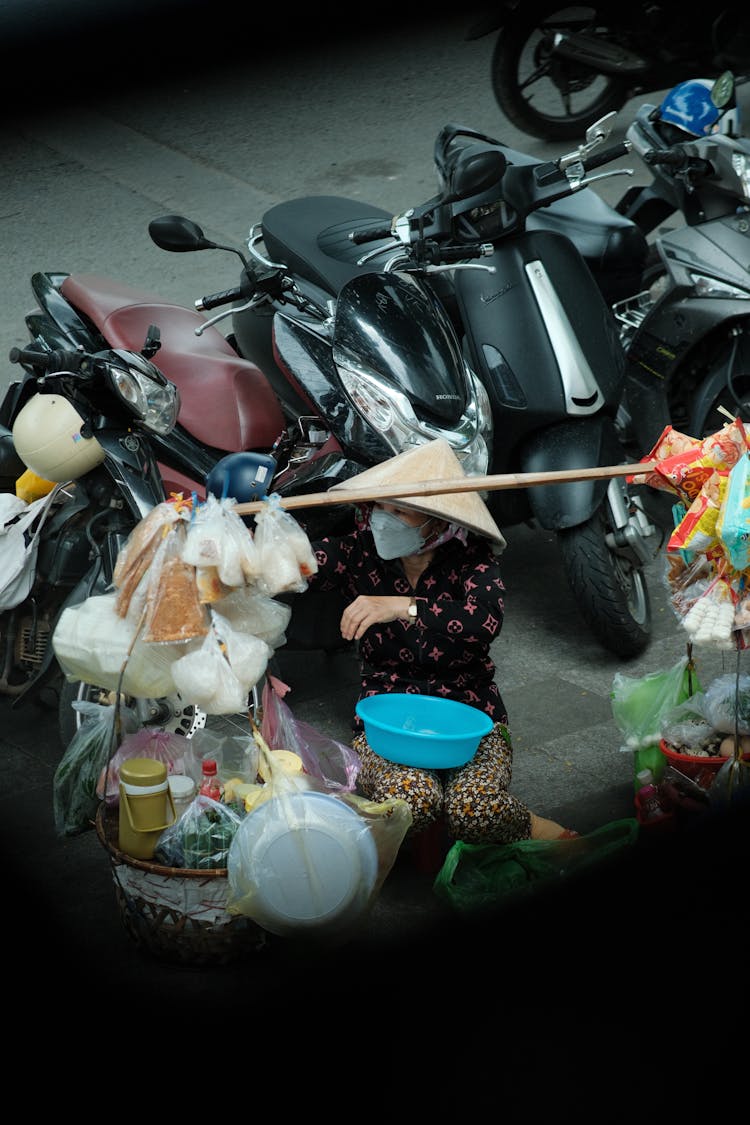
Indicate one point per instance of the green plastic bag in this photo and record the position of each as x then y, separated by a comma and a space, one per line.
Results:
639, 707
477, 877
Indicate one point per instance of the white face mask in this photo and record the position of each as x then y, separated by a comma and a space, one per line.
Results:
395, 539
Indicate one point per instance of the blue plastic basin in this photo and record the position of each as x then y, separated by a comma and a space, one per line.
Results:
422, 730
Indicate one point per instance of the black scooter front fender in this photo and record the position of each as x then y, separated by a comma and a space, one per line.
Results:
581, 444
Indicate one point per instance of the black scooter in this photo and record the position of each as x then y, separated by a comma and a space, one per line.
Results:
533, 326
82, 423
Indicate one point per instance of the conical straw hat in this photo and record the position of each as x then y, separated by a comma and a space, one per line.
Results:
433, 461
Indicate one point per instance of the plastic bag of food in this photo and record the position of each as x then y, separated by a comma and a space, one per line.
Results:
135, 558
173, 611
286, 555
710, 619
248, 656
248, 610
200, 840
669, 443
323, 757
726, 703
640, 704
218, 539
733, 525
74, 796
93, 643
205, 677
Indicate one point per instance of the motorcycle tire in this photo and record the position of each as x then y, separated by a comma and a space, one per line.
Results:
170, 715
611, 592
553, 99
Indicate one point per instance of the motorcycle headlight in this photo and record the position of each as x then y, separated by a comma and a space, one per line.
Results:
390, 412
152, 398
711, 287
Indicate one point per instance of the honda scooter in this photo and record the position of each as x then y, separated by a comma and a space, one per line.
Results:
533, 326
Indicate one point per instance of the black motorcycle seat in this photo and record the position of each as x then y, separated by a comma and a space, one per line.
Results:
609, 242
311, 236
207, 371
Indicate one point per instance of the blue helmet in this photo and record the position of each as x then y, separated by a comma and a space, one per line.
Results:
242, 477
690, 107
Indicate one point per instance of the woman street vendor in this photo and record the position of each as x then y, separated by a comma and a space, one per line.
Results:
425, 601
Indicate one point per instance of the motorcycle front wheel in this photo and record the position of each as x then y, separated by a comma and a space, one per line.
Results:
609, 589
544, 95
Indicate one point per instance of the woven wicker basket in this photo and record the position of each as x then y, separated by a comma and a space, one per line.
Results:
176, 914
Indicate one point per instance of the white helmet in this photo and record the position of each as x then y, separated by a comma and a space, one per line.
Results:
47, 436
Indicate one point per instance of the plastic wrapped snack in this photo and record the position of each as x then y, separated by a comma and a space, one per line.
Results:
247, 655
218, 539
248, 610
286, 555
173, 609
205, 677
136, 556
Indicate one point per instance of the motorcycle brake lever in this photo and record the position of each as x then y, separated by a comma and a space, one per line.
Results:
373, 254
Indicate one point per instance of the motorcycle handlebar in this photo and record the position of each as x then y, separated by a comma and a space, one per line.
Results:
678, 157
213, 300
607, 155
50, 361
372, 235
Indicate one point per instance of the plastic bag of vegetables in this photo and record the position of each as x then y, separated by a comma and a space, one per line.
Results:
74, 795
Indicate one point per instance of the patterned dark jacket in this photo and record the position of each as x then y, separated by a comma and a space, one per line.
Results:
460, 612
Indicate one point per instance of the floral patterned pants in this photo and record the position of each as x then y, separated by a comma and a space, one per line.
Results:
474, 798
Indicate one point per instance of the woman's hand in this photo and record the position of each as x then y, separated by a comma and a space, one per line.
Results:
366, 610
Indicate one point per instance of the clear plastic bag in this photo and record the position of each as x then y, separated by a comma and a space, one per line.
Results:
135, 558
205, 677
162, 746
217, 538
247, 655
333, 763
309, 864
93, 643
686, 726
173, 611
726, 704
248, 610
74, 785
286, 556
200, 840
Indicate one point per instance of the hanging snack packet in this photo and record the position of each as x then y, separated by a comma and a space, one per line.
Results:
733, 525
135, 558
669, 443
687, 472
697, 529
286, 556
173, 610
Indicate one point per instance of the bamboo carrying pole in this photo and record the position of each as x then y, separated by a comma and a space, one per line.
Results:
441, 487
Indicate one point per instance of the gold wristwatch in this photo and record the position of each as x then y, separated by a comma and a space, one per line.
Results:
412, 610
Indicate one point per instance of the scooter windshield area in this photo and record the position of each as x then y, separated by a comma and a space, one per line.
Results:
392, 326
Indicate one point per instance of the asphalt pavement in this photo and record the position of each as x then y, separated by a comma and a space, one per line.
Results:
561, 978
